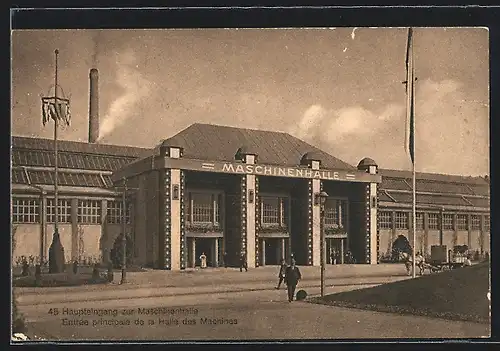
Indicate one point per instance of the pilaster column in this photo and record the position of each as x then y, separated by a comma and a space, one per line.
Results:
314, 222
105, 250
193, 252
425, 219
183, 240
216, 253
283, 251
263, 252
368, 224
74, 229
482, 234
257, 221
393, 227
248, 236
371, 237
172, 238
469, 230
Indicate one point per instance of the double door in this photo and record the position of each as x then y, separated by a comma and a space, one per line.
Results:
335, 250
273, 250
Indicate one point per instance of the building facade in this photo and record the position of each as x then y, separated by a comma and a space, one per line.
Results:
215, 190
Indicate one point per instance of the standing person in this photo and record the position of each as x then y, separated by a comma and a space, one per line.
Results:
282, 272
292, 277
243, 262
203, 260
224, 257
333, 256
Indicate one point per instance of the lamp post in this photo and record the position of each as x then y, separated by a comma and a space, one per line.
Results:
323, 196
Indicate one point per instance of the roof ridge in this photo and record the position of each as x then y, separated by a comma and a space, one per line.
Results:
239, 128
403, 173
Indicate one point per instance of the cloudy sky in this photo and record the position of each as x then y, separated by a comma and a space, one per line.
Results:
339, 89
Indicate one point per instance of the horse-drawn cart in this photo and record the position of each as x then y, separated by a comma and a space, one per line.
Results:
443, 259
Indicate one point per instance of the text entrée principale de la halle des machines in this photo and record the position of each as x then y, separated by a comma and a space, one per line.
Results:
166, 316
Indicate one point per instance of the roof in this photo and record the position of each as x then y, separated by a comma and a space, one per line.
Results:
434, 189
392, 173
33, 161
43, 144
220, 143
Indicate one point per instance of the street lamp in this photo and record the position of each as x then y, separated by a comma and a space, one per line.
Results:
323, 196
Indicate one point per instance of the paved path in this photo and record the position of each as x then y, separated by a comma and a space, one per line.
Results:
249, 298
259, 315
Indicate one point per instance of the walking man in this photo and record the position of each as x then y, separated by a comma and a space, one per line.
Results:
243, 262
292, 277
282, 272
225, 259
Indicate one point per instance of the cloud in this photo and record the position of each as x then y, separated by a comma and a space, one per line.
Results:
449, 135
135, 87
332, 126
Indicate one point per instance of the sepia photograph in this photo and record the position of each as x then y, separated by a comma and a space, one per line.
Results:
250, 184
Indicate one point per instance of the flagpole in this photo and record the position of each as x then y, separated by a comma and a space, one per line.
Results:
56, 163
412, 153
414, 213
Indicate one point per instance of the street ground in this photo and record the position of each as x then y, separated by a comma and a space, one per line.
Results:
224, 304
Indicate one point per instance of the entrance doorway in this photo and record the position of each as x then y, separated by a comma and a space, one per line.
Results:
335, 250
198, 246
273, 250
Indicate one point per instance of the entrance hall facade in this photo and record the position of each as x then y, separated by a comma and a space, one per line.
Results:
202, 165
223, 208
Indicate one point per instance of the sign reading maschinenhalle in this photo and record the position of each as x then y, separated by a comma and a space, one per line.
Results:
271, 170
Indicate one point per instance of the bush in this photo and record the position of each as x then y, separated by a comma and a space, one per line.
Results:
116, 254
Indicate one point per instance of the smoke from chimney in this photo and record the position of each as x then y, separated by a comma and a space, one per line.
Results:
94, 106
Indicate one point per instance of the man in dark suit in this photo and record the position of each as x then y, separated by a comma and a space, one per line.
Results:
243, 262
292, 277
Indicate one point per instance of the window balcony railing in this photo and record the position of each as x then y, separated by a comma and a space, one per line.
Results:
204, 227
335, 229
272, 228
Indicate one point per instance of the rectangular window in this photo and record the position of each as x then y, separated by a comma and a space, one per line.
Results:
486, 223
332, 212
203, 207
89, 211
420, 221
434, 221
336, 212
64, 211
271, 210
114, 212
476, 222
402, 220
25, 210
274, 211
385, 220
447, 221
461, 222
